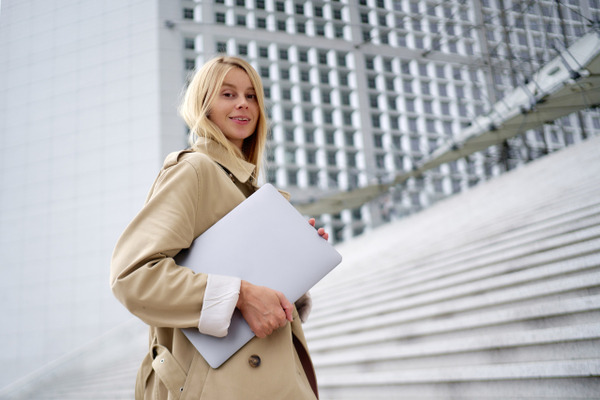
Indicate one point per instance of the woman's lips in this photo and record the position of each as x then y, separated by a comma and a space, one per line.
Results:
240, 120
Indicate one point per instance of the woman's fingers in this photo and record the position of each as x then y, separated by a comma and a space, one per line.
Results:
323, 234
264, 309
321, 231
287, 307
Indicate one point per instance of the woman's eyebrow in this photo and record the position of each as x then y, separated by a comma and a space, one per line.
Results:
235, 87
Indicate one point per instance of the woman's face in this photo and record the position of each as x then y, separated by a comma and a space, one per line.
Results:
235, 110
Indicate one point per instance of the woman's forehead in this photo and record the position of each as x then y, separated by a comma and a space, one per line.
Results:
238, 78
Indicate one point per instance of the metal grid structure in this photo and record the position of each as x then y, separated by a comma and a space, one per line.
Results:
362, 91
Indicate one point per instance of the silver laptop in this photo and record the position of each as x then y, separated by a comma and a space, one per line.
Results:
267, 242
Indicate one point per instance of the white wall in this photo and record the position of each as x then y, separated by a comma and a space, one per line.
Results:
80, 143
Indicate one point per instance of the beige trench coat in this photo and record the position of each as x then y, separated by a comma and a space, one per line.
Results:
191, 193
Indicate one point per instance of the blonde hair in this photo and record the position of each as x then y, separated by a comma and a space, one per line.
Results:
199, 97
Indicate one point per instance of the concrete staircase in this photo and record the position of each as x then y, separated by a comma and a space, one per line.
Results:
491, 294
104, 369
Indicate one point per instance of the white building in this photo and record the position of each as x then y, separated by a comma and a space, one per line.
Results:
358, 92
361, 91
88, 91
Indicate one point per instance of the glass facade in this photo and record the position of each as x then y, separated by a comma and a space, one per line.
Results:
361, 91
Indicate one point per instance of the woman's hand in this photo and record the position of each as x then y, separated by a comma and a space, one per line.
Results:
264, 309
321, 231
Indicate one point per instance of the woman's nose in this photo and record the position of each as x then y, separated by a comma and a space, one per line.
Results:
243, 102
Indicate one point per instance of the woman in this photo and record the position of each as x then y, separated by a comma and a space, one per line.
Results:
224, 109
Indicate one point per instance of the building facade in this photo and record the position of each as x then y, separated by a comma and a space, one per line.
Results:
88, 91
358, 91
361, 91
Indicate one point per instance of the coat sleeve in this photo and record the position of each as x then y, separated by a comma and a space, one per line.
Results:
144, 276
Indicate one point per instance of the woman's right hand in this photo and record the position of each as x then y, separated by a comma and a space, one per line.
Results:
264, 309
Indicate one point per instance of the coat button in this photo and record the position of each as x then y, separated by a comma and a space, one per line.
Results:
254, 361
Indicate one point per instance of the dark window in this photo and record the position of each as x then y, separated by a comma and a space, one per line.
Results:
348, 118
351, 159
330, 137
189, 43
188, 13
313, 178
371, 82
378, 141
343, 79
375, 121
305, 76
331, 158
373, 101
324, 75
389, 84
292, 177
289, 133
221, 47
349, 138
306, 96
320, 29
323, 57
309, 136
345, 98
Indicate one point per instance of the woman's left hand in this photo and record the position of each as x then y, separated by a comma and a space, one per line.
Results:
321, 231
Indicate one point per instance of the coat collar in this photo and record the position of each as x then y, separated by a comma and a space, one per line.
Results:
241, 169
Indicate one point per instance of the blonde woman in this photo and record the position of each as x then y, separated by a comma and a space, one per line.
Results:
224, 109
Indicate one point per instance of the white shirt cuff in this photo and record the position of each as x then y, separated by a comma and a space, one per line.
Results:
220, 298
